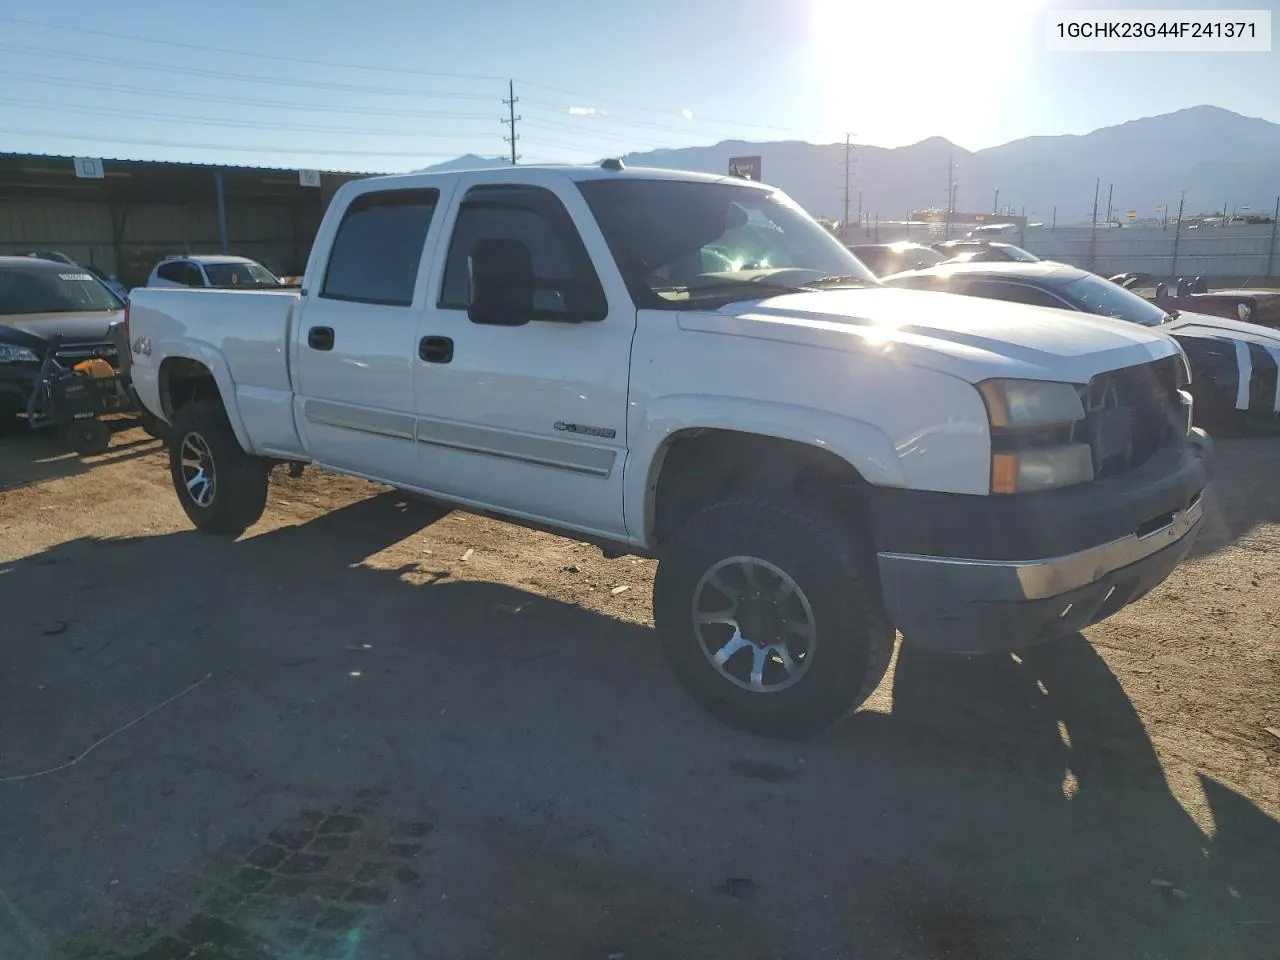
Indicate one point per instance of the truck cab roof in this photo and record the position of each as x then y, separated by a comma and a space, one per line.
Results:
553, 173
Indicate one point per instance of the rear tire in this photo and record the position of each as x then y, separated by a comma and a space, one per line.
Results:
88, 438
779, 668
152, 425
222, 489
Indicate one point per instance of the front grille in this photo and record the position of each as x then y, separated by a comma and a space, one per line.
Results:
1131, 414
69, 354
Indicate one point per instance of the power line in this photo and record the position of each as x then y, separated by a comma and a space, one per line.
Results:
249, 101
250, 78
686, 130
62, 28
590, 98
292, 148
647, 109
216, 122
560, 129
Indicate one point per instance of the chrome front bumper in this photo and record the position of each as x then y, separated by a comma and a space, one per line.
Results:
975, 606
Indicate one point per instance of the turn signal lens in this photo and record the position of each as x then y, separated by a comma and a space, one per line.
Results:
1041, 468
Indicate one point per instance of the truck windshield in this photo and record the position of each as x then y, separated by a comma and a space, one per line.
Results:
1106, 299
679, 242
52, 289
240, 275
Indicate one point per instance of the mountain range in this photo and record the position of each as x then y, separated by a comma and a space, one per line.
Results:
1218, 157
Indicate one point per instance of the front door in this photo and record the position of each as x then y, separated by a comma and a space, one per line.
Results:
532, 418
356, 337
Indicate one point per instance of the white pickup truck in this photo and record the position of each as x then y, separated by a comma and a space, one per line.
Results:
689, 367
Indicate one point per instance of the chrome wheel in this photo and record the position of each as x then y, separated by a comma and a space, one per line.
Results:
197, 470
754, 624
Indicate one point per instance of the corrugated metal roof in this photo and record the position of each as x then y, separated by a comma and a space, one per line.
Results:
182, 163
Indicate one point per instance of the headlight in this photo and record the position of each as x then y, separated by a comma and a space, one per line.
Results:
11, 353
1032, 423
1244, 311
1017, 404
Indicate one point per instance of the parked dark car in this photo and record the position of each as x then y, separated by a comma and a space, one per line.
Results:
44, 299
883, 259
1234, 365
984, 251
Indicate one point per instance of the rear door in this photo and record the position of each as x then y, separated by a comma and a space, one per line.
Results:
356, 336
531, 419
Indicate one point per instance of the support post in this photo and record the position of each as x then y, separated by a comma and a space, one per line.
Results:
1271, 249
222, 210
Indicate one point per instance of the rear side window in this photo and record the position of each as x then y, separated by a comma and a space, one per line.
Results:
378, 247
175, 272
1013, 293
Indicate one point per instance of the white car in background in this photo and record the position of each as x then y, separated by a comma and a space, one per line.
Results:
212, 270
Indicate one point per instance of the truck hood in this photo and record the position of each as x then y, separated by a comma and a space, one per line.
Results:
967, 337
89, 325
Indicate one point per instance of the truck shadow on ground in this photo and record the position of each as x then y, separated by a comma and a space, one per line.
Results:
33, 457
559, 795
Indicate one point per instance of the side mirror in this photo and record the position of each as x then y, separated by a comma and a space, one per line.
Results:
500, 282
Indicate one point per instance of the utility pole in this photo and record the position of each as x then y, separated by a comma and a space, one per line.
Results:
849, 160
1110, 192
511, 119
845, 222
951, 197
1177, 234
1093, 236
1271, 250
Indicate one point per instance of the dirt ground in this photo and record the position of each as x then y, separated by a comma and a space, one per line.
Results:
366, 730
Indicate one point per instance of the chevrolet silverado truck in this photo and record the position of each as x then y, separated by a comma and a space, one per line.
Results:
689, 367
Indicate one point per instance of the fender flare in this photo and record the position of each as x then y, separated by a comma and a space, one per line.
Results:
862, 445
213, 360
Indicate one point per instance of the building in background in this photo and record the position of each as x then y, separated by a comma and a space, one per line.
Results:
121, 216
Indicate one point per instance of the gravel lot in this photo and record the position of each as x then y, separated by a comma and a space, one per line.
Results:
386, 733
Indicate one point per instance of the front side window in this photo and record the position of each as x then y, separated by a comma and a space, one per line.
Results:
686, 242
563, 275
378, 247
25, 290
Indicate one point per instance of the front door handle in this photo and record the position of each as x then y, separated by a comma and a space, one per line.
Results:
320, 338
436, 349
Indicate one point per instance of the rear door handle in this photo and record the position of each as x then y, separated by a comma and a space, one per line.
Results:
436, 349
320, 338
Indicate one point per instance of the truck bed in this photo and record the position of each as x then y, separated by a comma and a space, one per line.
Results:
247, 334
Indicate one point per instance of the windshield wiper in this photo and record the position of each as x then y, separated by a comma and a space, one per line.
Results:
751, 289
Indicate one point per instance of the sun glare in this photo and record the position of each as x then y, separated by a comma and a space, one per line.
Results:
878, 64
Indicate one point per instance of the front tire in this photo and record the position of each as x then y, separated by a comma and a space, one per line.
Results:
222, 489
770, 617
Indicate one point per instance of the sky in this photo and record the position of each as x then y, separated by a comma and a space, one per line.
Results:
389, 85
